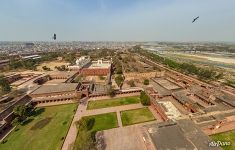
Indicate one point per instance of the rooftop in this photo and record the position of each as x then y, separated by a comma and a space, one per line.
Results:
166, 84
183, 97
159, 89
183, 134
228, 98
62, 87
100, 64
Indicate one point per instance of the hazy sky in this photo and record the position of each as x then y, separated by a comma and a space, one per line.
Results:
117, 20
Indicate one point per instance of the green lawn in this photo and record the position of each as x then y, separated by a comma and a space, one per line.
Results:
113, 102
104, 121
88, 126
136, 116
44, 132
226, 136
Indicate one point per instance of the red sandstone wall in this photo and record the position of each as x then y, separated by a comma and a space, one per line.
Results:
160, 111
94, 71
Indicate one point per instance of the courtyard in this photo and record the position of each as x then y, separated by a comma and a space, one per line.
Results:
89, 125
135, 116
46, 130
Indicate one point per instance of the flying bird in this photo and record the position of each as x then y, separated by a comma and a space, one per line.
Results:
54, 37
195, 19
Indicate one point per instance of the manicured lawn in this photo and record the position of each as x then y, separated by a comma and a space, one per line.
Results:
113, 102
104, 121
136, 116
226, 136
88, 126
44, 132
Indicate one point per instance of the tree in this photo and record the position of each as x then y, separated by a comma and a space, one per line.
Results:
119, 80
14, 64
111, 92
131, 83
22, 112
146, 82
61, 68
70, 57
16, 121
144, 99
119, 70
46, 68
4, 85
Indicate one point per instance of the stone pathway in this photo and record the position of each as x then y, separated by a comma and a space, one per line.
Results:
72, 133
119, 119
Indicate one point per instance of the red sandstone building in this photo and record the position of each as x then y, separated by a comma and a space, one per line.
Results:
64, 92
92, 68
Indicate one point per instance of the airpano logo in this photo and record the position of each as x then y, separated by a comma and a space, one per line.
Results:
219, 143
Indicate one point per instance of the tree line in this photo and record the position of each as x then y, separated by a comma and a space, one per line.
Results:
31, 64
187, 68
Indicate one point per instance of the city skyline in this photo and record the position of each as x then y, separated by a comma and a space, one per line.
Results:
103, 20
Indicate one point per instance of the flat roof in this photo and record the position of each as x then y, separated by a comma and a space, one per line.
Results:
228, 98
62, 87
95, 64
182, 134
182, 96
166, 83
161, 90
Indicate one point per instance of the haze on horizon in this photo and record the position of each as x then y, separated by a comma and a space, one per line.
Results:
117, 20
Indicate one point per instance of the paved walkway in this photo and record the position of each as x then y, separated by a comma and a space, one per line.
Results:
119, 119
71, 136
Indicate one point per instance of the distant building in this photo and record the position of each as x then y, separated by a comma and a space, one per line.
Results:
31, 57
92, 68
80, 63
99, 67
